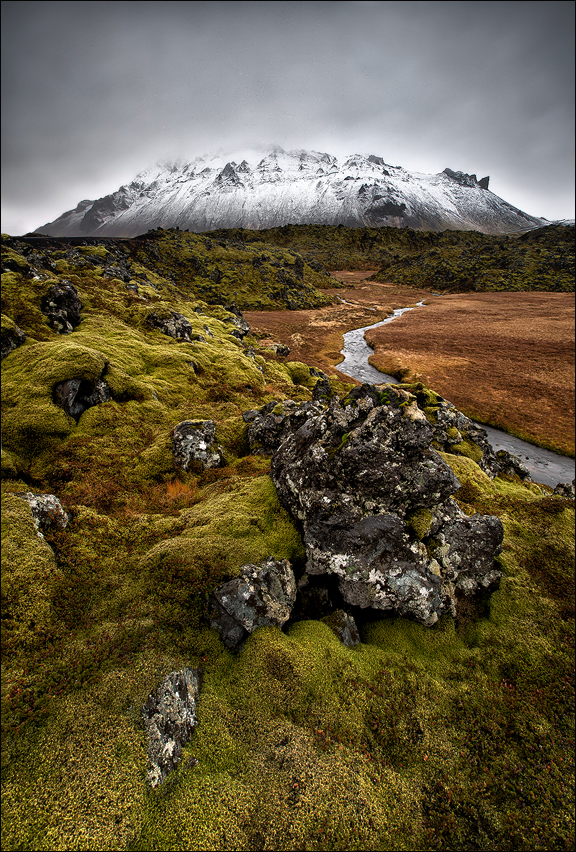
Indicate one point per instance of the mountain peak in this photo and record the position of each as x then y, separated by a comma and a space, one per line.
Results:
270, 186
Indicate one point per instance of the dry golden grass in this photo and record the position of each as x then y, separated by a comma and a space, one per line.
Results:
504, 358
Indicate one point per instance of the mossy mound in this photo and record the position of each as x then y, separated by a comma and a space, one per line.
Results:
453, 737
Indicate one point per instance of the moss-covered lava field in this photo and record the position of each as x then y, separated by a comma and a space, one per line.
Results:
452, 737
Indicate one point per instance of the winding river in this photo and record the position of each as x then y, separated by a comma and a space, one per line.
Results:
545, 466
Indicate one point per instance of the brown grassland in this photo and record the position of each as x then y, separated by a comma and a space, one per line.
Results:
504, 358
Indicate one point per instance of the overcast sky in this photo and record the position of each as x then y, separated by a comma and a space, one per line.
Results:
93, 92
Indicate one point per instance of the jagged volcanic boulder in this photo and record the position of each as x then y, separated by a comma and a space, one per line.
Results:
456, 433
565, 489
47, 511
76, 395
169, 717
175, 325
12, 337
269, 425
274, 421
241, 327
62, 306
262, 595
360, 476
195, 445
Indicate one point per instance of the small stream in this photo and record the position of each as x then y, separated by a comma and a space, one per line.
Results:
545, 466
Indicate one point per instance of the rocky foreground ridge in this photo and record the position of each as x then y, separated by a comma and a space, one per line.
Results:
247, 605
292, 187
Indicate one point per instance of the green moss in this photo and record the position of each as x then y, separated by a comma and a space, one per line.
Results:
29, 575
246, 524
300, 374
419, 522
469, 449
9, 464
457, 736
95, 251
13, 260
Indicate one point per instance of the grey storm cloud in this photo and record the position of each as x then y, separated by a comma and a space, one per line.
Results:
93, 92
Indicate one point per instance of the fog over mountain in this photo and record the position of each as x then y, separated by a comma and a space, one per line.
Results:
256, 190
93, 93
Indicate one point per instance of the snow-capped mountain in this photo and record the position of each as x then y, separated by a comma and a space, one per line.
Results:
292, 187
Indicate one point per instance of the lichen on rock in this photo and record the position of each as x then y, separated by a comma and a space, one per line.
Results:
355, 476
262, 595
62, 306
47, 511
169, 717
194, 444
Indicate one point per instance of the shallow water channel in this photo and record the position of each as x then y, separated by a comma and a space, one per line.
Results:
545, 466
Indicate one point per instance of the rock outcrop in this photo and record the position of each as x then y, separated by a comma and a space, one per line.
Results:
241, 327
77, 395
62, 306
175, 325
374, 501
12, 337
47, 511
169, 717
262, 595
195, 445
565, 489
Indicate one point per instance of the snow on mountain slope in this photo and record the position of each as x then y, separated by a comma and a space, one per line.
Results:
292, 187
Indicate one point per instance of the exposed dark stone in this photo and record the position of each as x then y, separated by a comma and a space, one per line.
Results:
565, 489
76, 395
47, 511
241, 327
323, 390
371, 493
62, 306
274, 420
120, 272
344, 626
176, 326
465, 548
262, 595
169, 717
461, 177
451, 427
385, 209
483, 182
195, 446
280, 349
12, 338
511, 465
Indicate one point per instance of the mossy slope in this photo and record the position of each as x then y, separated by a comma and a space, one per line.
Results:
455, 737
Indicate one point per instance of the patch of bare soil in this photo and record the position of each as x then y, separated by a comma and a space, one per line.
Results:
504, 358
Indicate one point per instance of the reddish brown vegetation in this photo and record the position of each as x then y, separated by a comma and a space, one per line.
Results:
315, 336
504, 358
